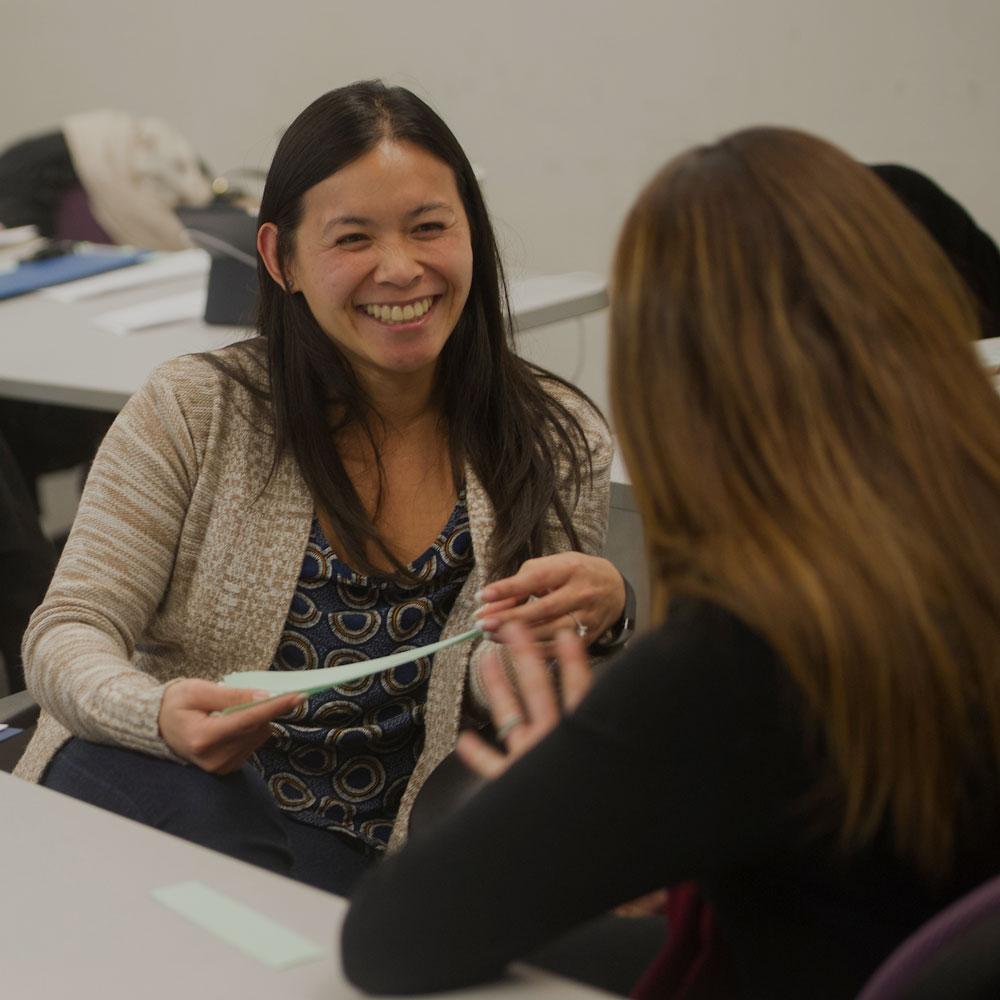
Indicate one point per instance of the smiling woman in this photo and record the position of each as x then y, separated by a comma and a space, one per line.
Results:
383, 258
339, 488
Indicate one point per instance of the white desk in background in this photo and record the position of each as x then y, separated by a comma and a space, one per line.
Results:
51, 351
77, 918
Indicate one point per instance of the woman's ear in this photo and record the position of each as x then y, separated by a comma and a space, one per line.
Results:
267, 247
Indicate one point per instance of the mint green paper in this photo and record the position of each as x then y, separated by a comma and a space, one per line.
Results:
277, 682
253, 933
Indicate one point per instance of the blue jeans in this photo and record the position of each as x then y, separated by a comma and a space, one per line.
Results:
232, 813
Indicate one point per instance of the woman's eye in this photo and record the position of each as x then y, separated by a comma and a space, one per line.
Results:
351, 239
430, 227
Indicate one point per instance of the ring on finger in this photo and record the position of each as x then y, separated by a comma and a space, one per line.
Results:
581, 629
510, 723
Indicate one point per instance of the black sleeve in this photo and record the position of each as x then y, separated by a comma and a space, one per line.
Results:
676, 765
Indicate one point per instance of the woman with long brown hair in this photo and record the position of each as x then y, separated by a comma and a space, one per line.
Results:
812, 733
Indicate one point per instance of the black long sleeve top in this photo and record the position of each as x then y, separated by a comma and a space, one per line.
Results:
688, 760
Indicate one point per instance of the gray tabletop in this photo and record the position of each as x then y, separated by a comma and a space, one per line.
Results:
77, 918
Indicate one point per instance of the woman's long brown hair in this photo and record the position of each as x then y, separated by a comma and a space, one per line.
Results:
814, 446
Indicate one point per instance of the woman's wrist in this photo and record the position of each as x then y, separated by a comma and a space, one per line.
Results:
619, 632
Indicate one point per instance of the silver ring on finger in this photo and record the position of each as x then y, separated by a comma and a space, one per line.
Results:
581, 629
505, 728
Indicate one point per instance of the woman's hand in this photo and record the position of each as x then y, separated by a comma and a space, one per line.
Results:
219, 744
568, 590
521, 718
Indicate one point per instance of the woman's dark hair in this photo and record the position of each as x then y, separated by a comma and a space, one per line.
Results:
498, 416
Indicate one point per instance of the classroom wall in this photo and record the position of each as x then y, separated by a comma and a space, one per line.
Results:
569, 106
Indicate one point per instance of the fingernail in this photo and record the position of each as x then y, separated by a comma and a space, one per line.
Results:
261, 695
484, 595
488, 624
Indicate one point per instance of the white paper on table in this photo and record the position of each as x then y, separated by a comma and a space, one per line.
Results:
162, 267
159, 312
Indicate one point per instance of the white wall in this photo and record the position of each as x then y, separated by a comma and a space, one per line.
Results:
568, 105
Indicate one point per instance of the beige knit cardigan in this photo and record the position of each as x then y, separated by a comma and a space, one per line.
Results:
184, 557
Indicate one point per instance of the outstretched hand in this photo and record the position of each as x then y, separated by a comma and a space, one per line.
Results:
522, 717
567, 590
216, 743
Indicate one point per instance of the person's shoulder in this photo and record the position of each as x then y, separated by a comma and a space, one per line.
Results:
697, 632
701, 659
576, 402
705, 621
237, 371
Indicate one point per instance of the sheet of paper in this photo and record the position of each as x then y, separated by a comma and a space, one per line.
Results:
239, 925
161, 267
159, 312
277, 682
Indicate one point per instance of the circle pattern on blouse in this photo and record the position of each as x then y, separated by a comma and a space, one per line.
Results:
342, 759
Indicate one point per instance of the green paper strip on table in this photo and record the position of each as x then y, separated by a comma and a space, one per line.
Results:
237, 924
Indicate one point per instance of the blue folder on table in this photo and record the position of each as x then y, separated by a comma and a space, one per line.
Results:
35, 274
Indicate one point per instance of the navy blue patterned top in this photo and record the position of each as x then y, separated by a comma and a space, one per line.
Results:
342, 760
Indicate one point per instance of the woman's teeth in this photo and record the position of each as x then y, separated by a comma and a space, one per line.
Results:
399, 314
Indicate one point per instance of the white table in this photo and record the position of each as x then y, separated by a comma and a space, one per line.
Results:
77, 918
52, 352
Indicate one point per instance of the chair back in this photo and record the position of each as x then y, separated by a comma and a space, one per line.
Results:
20, 712
74, 219
954, 956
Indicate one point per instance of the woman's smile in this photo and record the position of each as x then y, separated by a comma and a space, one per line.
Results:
408, 315
383, 257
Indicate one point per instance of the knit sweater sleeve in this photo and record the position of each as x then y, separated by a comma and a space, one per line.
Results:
116, 567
